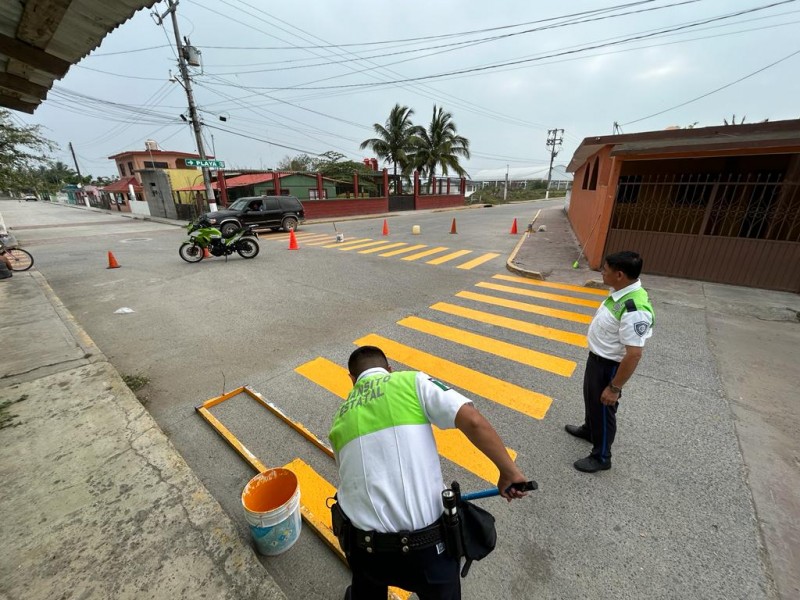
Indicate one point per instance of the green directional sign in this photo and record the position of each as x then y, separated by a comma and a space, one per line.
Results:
211, 164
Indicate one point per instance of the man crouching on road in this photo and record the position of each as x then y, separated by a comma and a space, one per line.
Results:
391, 479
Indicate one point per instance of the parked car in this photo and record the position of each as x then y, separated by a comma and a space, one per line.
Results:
274, 212
31, 199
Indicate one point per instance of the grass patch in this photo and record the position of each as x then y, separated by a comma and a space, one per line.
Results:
136, 382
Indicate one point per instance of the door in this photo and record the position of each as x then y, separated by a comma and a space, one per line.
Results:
254, 213
272, 211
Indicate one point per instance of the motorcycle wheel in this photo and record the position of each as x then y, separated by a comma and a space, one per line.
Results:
247, 248
191, 252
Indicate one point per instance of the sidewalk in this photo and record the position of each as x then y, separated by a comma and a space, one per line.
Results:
97, 503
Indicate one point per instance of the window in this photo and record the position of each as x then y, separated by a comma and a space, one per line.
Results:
314, 195
155, 165
593, 179
284, 192
271, 203
130, 167
121, 169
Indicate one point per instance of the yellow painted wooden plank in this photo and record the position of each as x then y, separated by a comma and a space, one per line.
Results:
478, 261
527, 402
542, 295
451, 443
350, 243
448, 257
381, 248
525, 356
550, 333
553, 285
425, 253
527, 307
357, 246
403, 250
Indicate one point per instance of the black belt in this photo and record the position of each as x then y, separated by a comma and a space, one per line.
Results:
402, 541
603, 359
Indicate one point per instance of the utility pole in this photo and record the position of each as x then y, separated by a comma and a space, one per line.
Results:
75, 160
555, 137
193, 117
505, 189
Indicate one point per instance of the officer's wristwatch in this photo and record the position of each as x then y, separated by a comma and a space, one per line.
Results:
615, 389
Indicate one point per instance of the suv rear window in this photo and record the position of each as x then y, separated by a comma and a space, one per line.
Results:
290, 203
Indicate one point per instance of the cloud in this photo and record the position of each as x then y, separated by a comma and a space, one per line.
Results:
661, 72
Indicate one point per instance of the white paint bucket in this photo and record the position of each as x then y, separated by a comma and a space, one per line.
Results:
271, 502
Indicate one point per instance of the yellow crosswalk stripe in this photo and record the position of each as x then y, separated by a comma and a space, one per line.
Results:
550, 333
542, 295
553, 285
478, 261
384, 247
451, 443
448, 257
402, 250
357, 246
425, 253
526, 356
346, 244
527, 402
527, 307
326, 240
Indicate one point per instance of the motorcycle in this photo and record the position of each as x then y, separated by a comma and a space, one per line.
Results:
203, 237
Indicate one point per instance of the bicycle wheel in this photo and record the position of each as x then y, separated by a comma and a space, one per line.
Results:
21, 260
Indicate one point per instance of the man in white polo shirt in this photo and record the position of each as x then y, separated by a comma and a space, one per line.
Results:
617, 335
391, 482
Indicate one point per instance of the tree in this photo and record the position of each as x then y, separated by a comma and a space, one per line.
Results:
22, 150
396, 139
440, 146
332, 164
301, 162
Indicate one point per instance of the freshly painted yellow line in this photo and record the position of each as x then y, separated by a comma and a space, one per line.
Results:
542, 295
357, 246
553, 285
451, 443
527, 402
402, 250
526, 356
550, 333
525, 306
325, 240
380, 248
350, 243
232, 440
478, 261
425, 253
447, 257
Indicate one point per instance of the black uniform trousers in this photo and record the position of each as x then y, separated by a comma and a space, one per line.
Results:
428, 573
601, 420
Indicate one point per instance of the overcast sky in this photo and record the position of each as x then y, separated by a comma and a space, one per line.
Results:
314, 76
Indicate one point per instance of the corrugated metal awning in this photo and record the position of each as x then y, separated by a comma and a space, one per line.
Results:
41, 39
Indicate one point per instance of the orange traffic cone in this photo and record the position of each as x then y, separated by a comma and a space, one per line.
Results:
514, 228
385, 227
206, 253
453, 227
112, 262
293, 241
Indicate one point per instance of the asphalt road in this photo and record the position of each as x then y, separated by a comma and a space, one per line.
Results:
672, 519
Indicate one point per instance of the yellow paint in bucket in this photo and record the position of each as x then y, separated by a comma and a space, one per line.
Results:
271, 502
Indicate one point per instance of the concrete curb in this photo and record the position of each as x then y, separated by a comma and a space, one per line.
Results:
510, 262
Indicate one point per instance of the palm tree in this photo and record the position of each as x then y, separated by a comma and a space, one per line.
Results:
440, 145
396, 138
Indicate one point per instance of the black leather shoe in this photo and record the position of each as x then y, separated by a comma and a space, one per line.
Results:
592, 464
579, 431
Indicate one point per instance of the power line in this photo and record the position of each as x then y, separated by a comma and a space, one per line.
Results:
727, 85
525, 61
